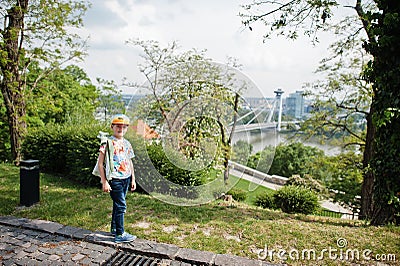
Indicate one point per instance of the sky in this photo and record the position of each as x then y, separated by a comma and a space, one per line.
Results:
213, 25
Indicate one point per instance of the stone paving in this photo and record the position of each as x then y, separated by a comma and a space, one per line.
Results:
37, 242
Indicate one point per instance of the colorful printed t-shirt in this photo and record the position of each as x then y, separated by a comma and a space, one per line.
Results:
123, 153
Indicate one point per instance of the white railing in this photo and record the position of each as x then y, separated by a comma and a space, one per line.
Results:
275, 179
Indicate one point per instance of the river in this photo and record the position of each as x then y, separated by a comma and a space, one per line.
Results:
261, 139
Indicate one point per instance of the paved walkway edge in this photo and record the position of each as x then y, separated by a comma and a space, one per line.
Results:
139, 246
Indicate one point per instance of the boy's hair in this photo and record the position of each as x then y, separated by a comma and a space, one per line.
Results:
120, 119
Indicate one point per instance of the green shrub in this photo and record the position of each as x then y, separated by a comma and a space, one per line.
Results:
307, 182
172, 172
156, 173
70, 150
294, 199
238, 194
265, 201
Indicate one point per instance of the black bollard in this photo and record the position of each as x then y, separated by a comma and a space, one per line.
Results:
29, 192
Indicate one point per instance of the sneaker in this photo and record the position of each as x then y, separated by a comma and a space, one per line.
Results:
124, 238
113, 231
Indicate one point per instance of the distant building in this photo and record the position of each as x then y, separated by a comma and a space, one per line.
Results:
295, 105
308, 107
142, 129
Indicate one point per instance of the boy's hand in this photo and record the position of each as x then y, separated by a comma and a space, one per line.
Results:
106, 187
133, 185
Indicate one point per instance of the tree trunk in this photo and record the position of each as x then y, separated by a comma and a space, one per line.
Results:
228, 143
368, 180
386, 194
17, 129
383, 214
384, 75
12, 87
16, 111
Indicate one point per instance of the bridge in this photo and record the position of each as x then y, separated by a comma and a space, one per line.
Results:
267, 123
262, 126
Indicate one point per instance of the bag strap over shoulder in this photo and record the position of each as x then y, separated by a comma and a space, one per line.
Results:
109, 153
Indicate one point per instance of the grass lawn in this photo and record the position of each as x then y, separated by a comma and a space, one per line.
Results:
242, 230
252, 193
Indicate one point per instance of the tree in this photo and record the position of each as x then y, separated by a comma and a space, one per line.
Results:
289, 17
341, 100
287, 159
383, 72
241, 151
345, 178
195, 100
294, 158
342, 175
110, 99
34, 31
64, 95
341, 108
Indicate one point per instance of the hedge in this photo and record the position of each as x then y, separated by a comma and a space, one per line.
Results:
65, 149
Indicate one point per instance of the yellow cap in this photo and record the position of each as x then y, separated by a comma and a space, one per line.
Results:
120, 119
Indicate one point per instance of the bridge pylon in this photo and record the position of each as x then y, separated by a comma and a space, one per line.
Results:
279, 93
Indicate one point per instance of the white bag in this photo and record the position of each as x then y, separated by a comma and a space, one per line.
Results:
96, 171
109, 149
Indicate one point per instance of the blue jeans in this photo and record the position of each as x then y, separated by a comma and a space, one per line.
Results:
119, 188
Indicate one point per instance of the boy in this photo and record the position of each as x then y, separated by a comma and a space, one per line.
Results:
121, 174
